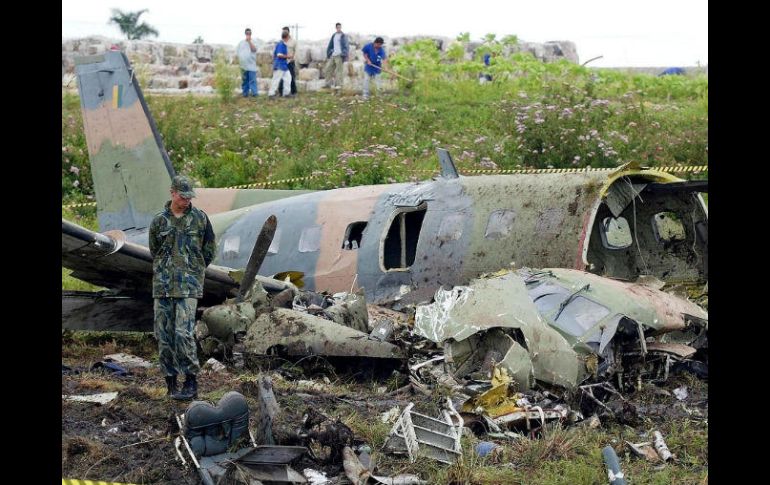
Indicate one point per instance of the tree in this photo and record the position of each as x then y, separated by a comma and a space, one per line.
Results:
464, 37
489, 38
128, 23
510, 40
198, 40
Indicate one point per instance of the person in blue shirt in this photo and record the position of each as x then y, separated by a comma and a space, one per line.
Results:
485, 76
281, 67
374, 55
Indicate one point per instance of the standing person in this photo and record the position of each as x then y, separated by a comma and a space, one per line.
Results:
374, 54
280, 67
485, 76
336, 54
247, 57
182, 244
291, 46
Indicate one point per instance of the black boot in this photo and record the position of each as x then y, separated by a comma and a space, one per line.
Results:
171, 385
189, 389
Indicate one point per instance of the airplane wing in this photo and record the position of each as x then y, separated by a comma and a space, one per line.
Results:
108, 260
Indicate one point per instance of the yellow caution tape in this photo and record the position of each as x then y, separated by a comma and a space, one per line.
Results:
670, 169
84, 204
74, 481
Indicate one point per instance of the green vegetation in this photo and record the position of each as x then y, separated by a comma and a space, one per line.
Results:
225, 76
533, 115
128, 23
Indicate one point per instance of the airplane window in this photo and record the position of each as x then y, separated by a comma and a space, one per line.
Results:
310, 239
276, 243
580, 315
230, 247
400, 245
353, 235
668, 227
616, 233
500, 224
451, 228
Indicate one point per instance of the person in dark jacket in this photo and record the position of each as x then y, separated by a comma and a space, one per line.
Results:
336, 55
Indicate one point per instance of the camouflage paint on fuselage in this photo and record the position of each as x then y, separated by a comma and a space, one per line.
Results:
128, 168
467, 226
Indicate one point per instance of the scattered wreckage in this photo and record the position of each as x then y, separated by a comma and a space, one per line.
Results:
562, 327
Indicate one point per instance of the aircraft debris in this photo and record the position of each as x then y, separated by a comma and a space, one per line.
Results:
661, 447
419, 435
614, 473
214, 365
681, 393
644, 450
404, 479
390, 415
267, 411
580, 325
485, 448
129, 361
315, 477
101, 398
211, 430
320, 432
356, 472
111, 367
503, 407
208, 432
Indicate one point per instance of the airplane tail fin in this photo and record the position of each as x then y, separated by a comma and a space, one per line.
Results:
129, 164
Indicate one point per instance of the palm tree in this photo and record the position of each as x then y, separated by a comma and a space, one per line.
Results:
128, 22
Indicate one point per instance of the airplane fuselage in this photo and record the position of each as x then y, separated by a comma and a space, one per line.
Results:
412, 238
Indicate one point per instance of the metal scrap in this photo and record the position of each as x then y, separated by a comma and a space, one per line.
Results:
102, 398
661, 447
420, 435
614, 472
128, 361
644, 450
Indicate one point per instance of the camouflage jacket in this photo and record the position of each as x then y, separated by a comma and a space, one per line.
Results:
181, 249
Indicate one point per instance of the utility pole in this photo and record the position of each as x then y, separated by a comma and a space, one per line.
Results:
296, 28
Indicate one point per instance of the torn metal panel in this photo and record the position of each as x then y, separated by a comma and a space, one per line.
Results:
301, 334
621, 194
678, 350
658, 311
501, 302
643, 450
129, 361
102, 398
485, 349
349, 310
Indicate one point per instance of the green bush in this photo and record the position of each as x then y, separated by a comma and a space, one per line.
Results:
225, 76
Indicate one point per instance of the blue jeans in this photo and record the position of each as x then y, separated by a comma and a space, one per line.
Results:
249, 83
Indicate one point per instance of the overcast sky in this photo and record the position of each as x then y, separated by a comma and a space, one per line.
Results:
627, 33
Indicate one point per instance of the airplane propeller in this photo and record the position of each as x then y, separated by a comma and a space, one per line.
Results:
258, 254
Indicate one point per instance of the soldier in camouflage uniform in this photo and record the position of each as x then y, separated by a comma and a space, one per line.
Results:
182, 244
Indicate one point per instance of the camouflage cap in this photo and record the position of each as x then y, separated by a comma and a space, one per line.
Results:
184, 186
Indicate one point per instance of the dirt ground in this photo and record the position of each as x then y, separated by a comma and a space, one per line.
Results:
130, 439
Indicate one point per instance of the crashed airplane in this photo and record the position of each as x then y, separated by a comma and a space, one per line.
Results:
395, 242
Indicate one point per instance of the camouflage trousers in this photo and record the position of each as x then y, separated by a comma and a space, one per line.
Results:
174, 327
